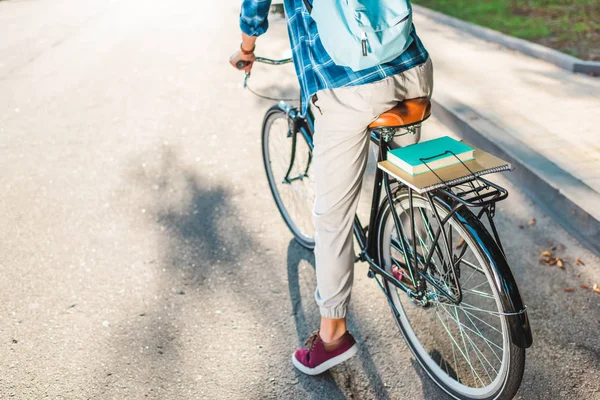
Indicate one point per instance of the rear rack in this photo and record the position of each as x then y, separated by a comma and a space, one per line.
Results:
462, 182
471, 189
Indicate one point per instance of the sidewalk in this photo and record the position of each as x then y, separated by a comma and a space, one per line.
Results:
545, 120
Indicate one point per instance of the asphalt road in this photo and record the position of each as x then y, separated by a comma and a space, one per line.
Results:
141, 254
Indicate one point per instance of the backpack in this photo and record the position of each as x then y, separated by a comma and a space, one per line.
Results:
361, 34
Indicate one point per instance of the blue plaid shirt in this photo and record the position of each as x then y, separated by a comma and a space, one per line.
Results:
314, 67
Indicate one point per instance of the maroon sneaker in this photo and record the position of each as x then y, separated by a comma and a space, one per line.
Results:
320, 356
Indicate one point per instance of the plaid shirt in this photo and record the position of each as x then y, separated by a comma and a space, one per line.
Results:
314, 67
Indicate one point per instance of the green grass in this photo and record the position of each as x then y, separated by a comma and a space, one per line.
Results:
571, 26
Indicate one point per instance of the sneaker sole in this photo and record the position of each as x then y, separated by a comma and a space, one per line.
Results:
319, 369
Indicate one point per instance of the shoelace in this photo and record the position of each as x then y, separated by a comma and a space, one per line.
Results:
310, 342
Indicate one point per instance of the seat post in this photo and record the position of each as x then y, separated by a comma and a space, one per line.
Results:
387, 134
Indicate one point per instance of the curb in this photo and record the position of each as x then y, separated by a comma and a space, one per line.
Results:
565, 198
535, 50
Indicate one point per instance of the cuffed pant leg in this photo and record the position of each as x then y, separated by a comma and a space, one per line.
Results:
340, 157
339, 160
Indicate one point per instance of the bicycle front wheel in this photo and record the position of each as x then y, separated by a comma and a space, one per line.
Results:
465, 348
288, 157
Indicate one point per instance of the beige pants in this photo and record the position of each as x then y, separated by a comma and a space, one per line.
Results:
340, 156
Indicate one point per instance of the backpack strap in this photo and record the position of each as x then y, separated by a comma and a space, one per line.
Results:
307, 5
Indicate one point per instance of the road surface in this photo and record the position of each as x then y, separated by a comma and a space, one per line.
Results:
141, 253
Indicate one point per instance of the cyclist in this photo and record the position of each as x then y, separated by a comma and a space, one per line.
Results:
345, 103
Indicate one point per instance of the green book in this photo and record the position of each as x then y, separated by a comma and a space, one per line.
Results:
432, 151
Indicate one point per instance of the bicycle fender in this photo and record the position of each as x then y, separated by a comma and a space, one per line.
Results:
517, 318
518, 321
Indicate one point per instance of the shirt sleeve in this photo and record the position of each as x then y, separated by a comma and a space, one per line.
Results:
253, 18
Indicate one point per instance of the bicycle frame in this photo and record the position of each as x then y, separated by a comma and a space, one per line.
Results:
454, 202
304, 125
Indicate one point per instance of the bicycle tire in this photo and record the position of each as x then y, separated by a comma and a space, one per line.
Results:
304, 238
476, 236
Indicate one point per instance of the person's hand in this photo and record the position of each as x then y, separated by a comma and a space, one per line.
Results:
243, 55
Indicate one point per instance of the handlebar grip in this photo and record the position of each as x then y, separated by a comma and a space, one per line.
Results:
241, 64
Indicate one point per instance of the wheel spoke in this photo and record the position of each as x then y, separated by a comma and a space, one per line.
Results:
465, 340
474, 287
462, 337
468, 307
479, 293
478, 333
290, 182
466, 358
479, 319
475, 268
476, 349
454, 356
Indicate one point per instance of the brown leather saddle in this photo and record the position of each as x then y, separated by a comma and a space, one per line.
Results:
406, 113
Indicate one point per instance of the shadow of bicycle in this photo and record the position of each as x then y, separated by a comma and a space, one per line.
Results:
301, 284
298, 258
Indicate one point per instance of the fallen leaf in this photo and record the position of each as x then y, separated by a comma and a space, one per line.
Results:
461, 241
596, 288
553, 261
569, 289
543, 260
553, 247
532, 221
584, 286
546, 253
578, 261
559, 263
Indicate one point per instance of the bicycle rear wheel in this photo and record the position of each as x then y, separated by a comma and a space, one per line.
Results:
466, 348
287, 158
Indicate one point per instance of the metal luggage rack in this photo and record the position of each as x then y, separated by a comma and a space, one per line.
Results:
470, 190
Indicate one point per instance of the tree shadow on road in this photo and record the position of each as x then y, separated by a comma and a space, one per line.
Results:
176, 342
187, 215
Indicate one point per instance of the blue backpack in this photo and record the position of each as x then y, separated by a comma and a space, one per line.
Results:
361, 34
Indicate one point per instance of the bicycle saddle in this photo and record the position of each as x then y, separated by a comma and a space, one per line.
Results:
406, 113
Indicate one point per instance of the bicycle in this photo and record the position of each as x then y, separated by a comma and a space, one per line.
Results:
445, 276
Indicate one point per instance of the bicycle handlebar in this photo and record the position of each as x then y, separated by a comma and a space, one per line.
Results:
241, 63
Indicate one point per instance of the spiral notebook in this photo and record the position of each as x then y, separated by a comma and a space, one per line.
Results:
483, 163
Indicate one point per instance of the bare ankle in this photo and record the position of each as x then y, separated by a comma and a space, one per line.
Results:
332, 329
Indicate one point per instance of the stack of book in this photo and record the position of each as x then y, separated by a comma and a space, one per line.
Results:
440, 163
431, 155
